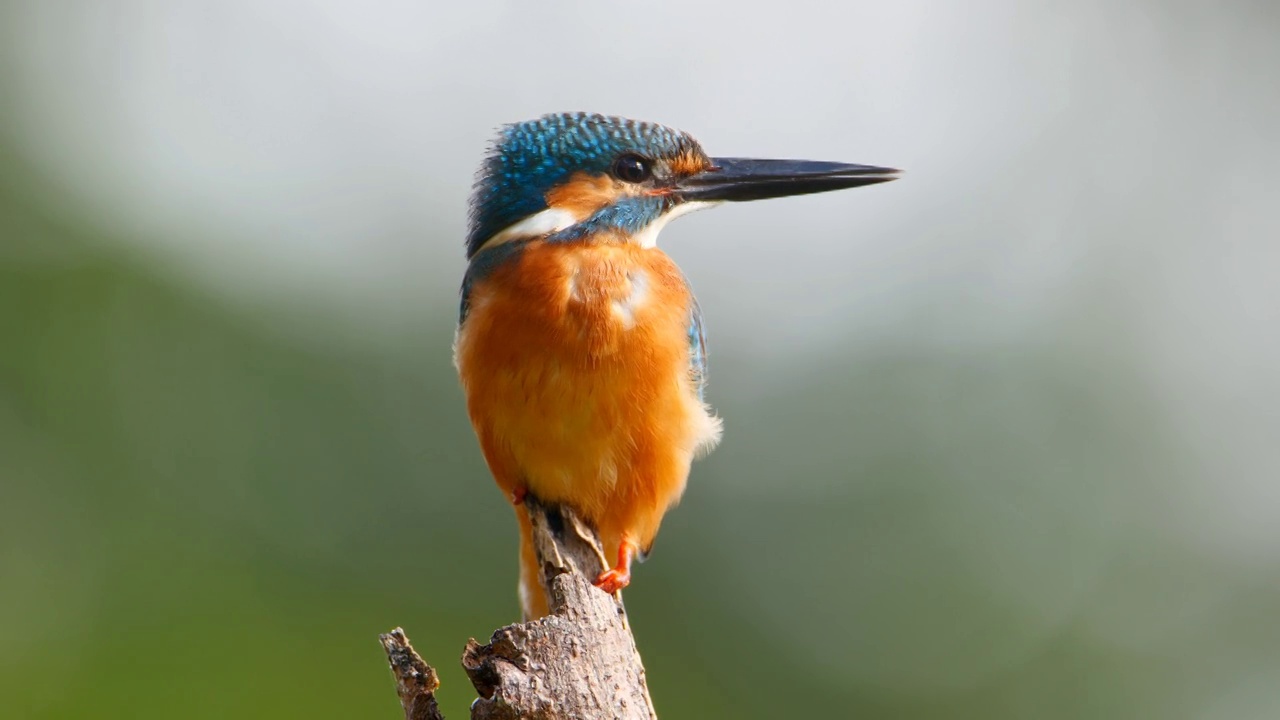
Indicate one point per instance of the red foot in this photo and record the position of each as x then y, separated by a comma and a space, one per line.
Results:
611, 581
518, 495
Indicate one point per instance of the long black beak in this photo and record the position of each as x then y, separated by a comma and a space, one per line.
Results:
736, 179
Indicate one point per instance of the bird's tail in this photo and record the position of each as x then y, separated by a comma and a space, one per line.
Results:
533, 594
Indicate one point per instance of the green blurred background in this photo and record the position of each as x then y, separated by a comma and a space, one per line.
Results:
1001, 437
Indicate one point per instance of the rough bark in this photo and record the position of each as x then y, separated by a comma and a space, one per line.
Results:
579, 662
416, 681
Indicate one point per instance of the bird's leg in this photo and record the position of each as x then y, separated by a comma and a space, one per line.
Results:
611, 581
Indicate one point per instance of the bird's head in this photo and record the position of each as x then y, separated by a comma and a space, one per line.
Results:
576, 175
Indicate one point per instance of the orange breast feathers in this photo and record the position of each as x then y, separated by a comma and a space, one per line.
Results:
575, 360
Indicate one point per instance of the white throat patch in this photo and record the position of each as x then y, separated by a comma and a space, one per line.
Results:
648, 237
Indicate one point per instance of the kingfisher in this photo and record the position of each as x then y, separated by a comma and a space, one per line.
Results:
580, 346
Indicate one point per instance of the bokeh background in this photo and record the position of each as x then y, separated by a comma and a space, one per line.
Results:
1002, 438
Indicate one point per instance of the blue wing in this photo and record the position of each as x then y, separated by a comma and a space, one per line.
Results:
481, 266
697, 348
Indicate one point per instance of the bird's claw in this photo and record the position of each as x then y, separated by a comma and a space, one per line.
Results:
611, 581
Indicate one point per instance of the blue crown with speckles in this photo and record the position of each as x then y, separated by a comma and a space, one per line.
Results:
532, 157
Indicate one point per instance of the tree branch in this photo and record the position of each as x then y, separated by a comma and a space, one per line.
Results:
578, 662
416, 681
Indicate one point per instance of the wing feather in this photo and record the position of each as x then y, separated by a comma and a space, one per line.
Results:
697, 348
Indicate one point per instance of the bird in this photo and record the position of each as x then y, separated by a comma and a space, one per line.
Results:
580, 347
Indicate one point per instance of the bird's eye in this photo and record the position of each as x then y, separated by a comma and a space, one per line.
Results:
632, 168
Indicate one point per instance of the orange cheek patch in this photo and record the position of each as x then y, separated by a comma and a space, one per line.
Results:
584, 194
689, 163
